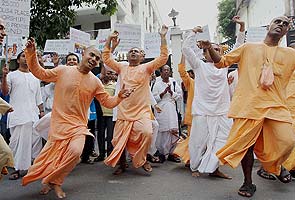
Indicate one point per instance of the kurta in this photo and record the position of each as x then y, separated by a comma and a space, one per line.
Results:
168, 118
254, 108
289, 164
134, 112
73, 94
211, 102
25, 97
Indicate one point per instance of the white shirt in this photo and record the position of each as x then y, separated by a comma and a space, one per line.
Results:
167, 119
211, 95
25, 96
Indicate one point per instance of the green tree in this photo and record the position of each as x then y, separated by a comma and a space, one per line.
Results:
226, 11
51, 19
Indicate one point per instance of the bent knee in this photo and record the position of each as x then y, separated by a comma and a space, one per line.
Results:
75, 152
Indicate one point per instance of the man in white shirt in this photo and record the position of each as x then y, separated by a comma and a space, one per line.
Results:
166, 92
25, 97
210, 124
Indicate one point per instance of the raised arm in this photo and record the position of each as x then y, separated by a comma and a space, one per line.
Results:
188, 47
183, 74
4, 85
241, 34
48, 75
107, 52
162, 59
226, 60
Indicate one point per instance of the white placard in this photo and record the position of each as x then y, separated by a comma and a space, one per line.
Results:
205, 35
15, 46
101, 38
152, 43
256, 34
130, 36
79, 39
62, 47
16, 14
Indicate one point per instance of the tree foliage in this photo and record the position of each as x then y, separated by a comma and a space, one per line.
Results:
227, 10
51, 19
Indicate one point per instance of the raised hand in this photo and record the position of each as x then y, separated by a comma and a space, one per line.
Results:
163, 31
114, 35
237, 19
5, 70
205, 44
30, 45
115, 41
198, 29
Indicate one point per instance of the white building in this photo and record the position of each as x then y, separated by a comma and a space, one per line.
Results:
142, 12
257, 13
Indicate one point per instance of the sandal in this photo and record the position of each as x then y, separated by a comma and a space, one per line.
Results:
264, 174
4, 171
292, 172
14, 175
147, 167
153, 159
285, 176
247, 190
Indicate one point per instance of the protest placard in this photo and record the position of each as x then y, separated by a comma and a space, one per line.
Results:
79, 40
62, 47
16, 14
205, 35
130, 36
152, 43
15, 46
101, 38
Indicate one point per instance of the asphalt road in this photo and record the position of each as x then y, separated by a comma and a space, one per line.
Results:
168, 181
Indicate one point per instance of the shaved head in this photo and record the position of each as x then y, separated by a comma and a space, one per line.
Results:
280, 17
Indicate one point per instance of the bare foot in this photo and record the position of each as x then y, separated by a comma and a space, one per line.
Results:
195, 174
46, 188
219, 174
59, 192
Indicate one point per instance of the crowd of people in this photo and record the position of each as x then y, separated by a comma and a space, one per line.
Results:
55, 116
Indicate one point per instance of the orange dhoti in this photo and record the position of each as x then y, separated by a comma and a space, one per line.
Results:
56, 160
135, 136
181, 148
273, 140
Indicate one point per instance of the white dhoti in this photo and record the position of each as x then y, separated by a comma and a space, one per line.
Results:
166, 142
208, 135
25, 144
153, 147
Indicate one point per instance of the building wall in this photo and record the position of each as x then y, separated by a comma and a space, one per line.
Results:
261, 12
143, 12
